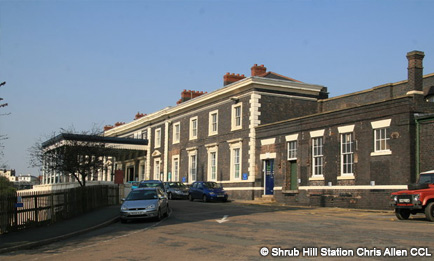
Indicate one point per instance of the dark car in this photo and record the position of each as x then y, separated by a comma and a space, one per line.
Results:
207, 191
176, 190
152, 184
142, 203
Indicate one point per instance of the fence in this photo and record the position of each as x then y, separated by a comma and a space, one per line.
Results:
42, 207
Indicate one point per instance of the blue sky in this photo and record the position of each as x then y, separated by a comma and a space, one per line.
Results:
81, 63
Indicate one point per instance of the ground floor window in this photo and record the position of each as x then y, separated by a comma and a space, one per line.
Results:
317, 156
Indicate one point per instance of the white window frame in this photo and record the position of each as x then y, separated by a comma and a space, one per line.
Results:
157, 168
176, 132
213, 126
235, 124
144, 134
236, 145
318, 154
292, 150
347, 153
157, 138
175, 168
380, 130
194, 129
212, 163
192, 165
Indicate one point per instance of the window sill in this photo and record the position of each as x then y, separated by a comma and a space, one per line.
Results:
381, 153
316, 178
343, 177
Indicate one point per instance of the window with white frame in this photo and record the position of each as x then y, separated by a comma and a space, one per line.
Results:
347, 154
292, 150
213, 123
157, 168
212, 164
144, 134
317, 157
193, 128
157, 138
175, 168
237, 119
381, 138
176, 132
236, 163
192, 168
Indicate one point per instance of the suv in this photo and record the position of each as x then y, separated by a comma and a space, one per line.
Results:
419, 198
207, 191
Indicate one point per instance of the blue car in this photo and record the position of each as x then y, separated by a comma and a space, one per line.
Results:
207, 191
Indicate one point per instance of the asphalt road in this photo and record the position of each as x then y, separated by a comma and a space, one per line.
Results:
234, 231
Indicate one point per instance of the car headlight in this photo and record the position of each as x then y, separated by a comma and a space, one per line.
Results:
211, 193
416, 197
123, 208
151, 206
394, 198
178, 192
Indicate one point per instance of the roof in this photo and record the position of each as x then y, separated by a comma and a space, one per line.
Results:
115, 142
277, 76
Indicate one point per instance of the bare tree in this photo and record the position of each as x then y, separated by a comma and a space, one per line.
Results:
2, 136
78, 155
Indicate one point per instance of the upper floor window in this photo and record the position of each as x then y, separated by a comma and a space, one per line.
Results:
157, 138
193, 128
176, 132
213, 123
237, 118
144, 134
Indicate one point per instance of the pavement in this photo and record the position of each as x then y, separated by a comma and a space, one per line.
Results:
38, 236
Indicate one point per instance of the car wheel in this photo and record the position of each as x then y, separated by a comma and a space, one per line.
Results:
429, 211
190, 197
402, 214
170, 196
205, 199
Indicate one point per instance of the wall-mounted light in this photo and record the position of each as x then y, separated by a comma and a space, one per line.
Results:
235, 99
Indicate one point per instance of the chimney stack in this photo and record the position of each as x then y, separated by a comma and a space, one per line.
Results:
231, 78
415, 70
188, 95
258, 70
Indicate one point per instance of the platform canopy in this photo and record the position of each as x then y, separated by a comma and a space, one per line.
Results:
111, 143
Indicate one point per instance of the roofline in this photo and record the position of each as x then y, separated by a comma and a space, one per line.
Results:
227, 89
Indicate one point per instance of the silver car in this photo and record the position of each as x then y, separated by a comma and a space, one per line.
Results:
144, 203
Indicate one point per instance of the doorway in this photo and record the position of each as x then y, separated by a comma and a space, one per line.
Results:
268, 169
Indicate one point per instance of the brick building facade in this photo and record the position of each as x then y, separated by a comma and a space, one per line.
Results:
356, 148
271, 134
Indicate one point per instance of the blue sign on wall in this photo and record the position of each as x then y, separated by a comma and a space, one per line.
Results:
183, 179
245, 176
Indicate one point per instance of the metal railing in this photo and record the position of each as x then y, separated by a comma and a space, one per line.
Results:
29, 209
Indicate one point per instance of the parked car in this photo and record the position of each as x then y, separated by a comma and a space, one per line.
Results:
176, 190
152, 184
142, 203
418, 198
207, 191
134, 184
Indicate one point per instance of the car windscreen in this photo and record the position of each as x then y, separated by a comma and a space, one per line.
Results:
176, 185
426, 178
151, 185
142, 195
211, 185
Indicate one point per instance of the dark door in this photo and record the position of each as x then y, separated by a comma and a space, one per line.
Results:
294, 177
130, 174
269, 176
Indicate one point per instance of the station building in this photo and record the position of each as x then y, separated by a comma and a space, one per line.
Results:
269, 135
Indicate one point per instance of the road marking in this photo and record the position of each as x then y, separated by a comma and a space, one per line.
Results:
224, 219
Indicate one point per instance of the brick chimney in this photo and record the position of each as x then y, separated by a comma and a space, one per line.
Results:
415, 70
188, 95
258, 70
231, 78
